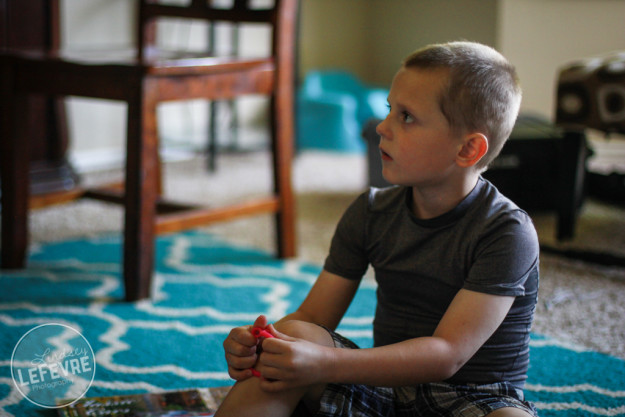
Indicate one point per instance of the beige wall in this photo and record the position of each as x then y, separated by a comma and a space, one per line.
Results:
400, 26
370, 37
332, 34
540, 36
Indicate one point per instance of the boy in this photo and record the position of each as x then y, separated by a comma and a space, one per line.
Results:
455, 261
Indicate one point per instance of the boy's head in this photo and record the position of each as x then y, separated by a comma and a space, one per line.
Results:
482, 94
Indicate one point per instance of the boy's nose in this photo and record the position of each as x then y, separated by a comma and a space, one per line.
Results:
381, 129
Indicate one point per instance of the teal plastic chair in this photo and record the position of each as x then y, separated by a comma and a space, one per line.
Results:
332, 109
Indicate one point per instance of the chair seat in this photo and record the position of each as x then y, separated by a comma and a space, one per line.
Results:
161, 62
88, 75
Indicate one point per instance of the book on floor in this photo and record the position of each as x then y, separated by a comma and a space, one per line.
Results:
192, 402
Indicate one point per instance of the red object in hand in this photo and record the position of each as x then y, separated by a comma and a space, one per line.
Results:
259, 332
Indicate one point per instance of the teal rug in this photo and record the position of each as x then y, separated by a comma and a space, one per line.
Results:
203, 287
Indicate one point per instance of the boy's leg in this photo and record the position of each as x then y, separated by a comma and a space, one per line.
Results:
247, 399
501, 399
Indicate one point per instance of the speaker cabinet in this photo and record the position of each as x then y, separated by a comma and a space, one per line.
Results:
591, 94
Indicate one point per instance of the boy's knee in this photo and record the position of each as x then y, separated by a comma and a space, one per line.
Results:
306, 331
295, 328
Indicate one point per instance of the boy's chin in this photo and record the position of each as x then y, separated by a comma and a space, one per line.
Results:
392, 179
392, 182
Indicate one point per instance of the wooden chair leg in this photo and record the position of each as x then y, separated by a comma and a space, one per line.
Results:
211, 148
282, 151
14, 163
141, 195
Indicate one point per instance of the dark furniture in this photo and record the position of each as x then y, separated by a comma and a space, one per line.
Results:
25, 25
542, 167
142, 82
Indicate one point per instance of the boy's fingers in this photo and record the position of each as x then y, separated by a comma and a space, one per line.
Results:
243, 336
273, 347
271, 329
261, 322
239, 374
239, 349
240, 362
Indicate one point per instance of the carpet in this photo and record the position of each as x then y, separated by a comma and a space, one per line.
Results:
202, 288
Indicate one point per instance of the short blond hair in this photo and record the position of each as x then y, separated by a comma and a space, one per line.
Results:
483, 93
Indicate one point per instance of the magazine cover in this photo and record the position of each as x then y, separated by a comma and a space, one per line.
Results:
194, 402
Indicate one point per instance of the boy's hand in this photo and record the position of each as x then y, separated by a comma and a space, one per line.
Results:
240, 349
287, 362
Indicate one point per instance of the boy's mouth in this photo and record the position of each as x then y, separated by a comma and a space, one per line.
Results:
385, 156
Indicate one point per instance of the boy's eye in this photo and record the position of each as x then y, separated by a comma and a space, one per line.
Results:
407, 117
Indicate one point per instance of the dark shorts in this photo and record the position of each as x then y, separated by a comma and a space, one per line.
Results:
436, 399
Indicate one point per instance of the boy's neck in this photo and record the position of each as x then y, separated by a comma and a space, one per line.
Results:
431, 202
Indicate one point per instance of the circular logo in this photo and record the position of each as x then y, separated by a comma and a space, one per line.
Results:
53, 365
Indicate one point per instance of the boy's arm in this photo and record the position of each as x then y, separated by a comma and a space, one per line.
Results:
326, 301
469, 321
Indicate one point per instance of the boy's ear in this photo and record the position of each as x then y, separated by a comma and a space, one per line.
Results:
474, 147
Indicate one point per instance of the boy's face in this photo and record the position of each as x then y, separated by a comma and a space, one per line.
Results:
416, 142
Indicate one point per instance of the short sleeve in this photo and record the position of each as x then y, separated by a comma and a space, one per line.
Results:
505, 256
347, 257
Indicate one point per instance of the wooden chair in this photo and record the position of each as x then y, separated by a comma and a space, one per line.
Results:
142, 82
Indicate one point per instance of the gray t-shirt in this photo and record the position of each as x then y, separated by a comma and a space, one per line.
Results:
486, 244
